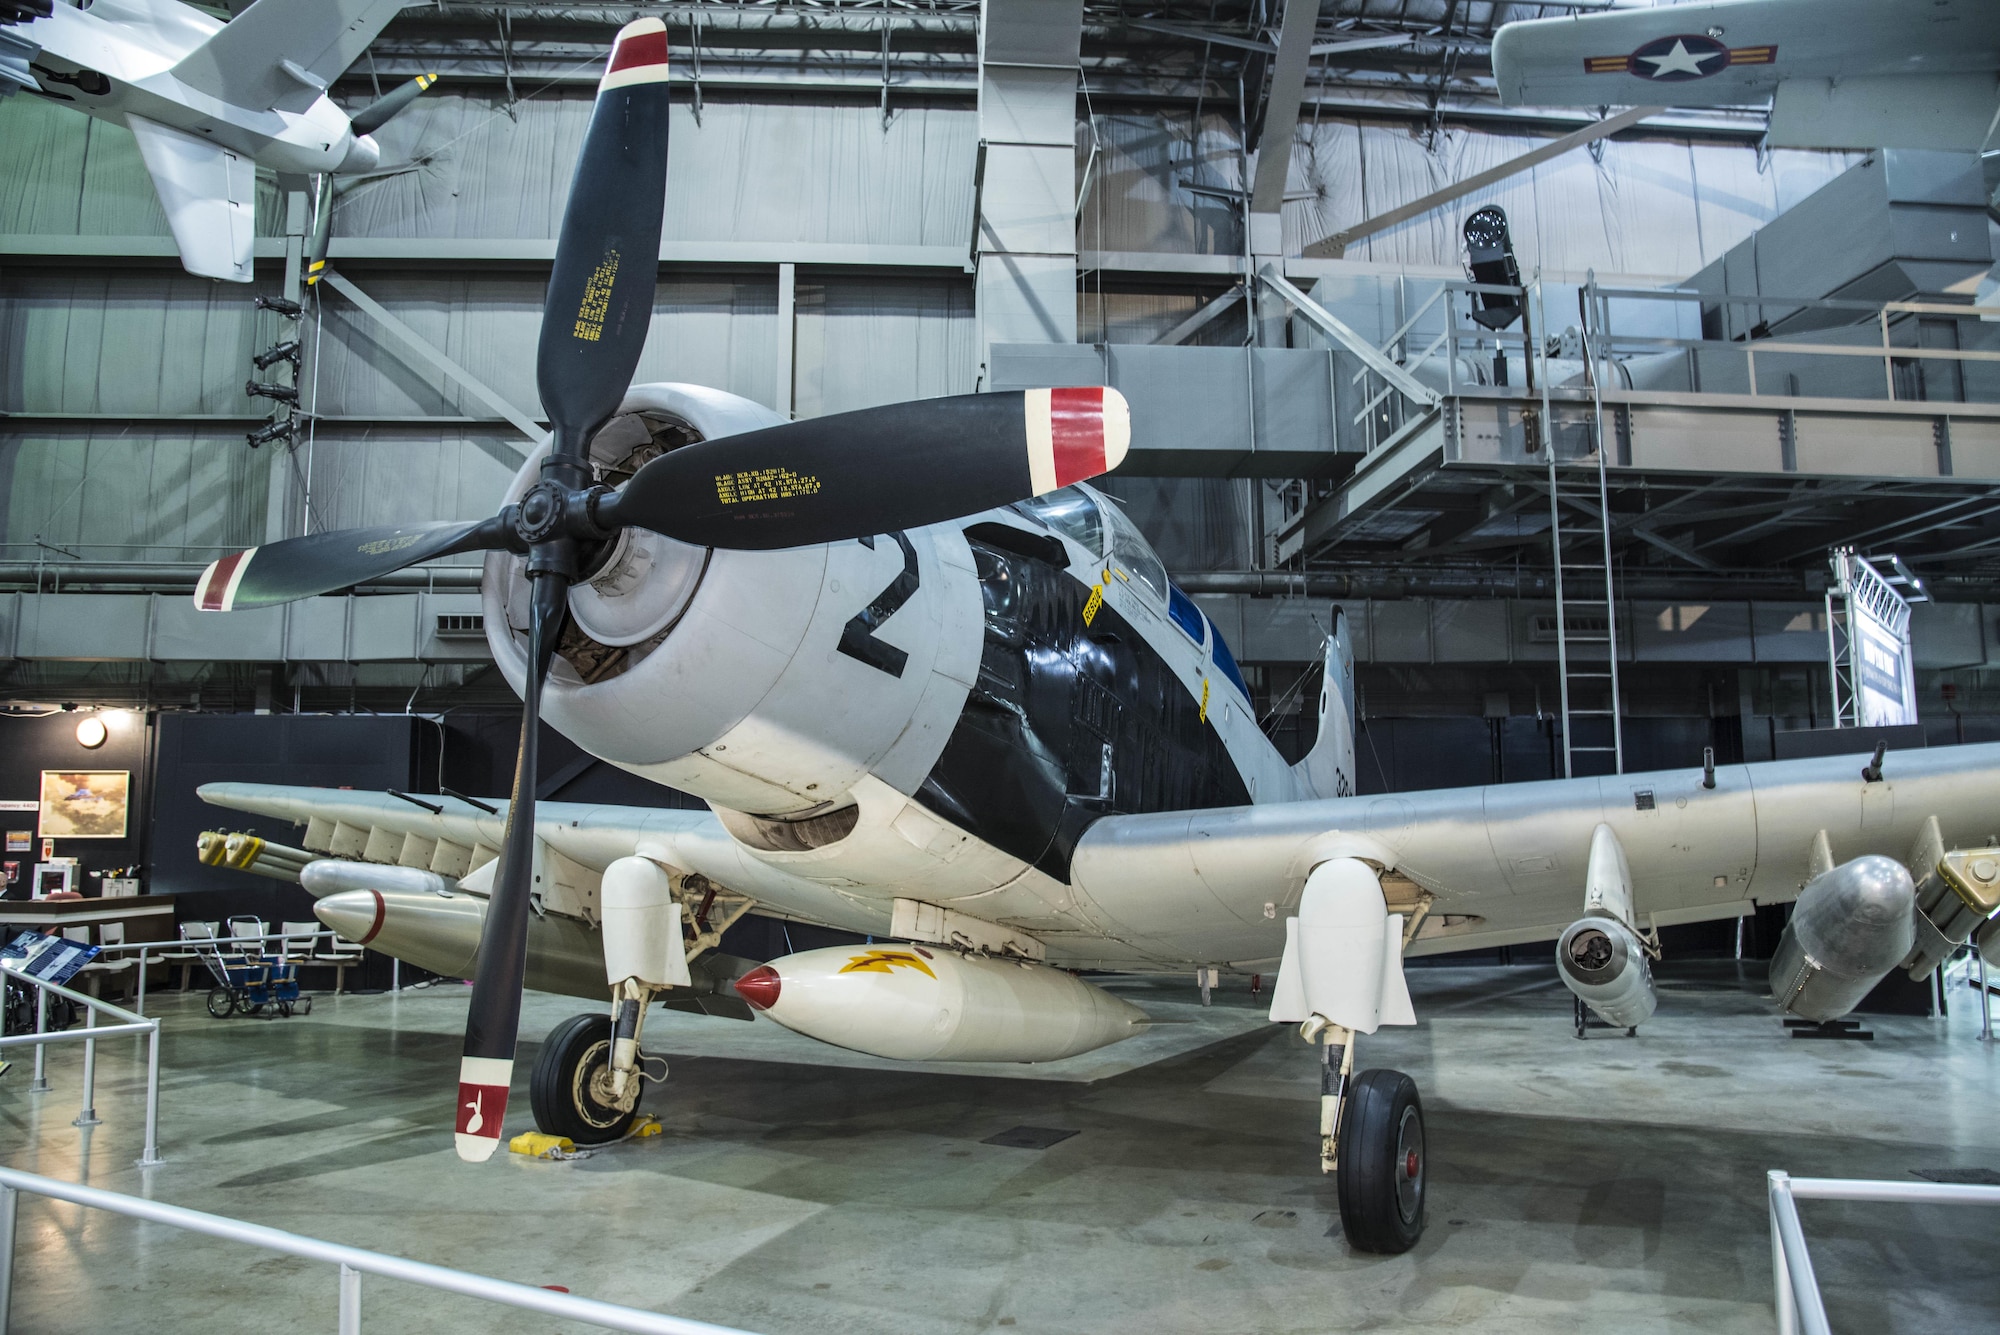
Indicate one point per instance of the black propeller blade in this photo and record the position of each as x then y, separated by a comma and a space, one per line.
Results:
305, 567
594, 323
877, 470
377, 113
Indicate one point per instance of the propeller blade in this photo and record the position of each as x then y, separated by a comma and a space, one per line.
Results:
377, 113
600, 300
877, 470
283, 572
486, 1071
322, 229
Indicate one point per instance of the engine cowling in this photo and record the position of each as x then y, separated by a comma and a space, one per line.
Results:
710, 671
1850, 927
920, 1003
1603, 962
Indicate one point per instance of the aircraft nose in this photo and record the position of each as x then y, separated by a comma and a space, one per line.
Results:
355, 914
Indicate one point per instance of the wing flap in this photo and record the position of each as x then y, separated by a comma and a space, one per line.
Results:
209, 193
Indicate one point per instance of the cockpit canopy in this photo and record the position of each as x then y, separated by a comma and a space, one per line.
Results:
1099, 524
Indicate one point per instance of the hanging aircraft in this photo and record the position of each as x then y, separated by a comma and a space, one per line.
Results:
1837, 73
935, 689
208, 101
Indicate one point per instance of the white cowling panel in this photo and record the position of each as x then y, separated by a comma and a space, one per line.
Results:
1607, 883
1343, 953
642, 925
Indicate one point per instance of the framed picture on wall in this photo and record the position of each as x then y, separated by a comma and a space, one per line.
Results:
20, 841
85, 804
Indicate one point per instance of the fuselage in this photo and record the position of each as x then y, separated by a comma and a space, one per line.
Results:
116, 59
939, 714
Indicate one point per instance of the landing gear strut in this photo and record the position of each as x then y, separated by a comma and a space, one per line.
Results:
1372, 1140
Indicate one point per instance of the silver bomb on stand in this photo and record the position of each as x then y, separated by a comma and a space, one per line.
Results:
1850, 927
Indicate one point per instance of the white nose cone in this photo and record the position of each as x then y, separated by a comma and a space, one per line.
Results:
921, 1003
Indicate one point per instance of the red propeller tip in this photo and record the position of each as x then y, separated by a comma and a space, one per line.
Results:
638, 55
215, 591
760, 987
482, 1105
1075, 434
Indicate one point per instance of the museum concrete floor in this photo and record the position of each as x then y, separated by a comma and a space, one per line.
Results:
1611, 1184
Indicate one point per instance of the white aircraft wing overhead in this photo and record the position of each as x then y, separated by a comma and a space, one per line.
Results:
282, 54
1840, 70
209, 193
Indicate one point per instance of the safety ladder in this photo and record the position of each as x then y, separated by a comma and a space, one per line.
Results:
1586, 620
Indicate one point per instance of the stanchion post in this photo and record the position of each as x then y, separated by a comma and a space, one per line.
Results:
41, 1085
89, 1117
152, 1154
141, 1002
10, 1203
1781, 1274
350, 1300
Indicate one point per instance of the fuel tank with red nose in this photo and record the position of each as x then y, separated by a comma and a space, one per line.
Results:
924, 1003
767, 682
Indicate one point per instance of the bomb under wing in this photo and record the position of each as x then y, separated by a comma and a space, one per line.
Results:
1851, 926
919, 1003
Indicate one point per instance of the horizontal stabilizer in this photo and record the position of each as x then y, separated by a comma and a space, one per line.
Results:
209, 193
17, 53
282, 54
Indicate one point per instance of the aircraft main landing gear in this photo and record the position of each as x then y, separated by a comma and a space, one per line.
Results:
571, 1086
1372, 1140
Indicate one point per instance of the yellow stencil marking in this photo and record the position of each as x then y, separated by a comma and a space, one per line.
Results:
596, 303
884, 961
1204, 699
764, 484
382, 546
1096, 601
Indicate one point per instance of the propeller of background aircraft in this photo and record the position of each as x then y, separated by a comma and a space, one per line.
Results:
365, 121
827, 479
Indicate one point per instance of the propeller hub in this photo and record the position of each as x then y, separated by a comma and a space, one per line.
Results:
550, 510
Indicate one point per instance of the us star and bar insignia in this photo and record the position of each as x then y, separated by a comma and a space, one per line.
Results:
1680, 58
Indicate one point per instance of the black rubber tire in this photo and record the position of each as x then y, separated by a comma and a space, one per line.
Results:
221, 1002
560, 1086
305, 1005
1384, 1162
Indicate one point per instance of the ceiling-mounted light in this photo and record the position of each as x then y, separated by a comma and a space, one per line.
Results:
90, 732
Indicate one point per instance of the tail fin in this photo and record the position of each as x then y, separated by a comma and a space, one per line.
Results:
1328, 769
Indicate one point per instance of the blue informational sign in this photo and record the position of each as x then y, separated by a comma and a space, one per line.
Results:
53, 959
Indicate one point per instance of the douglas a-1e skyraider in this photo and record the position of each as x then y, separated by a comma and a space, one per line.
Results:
936, 690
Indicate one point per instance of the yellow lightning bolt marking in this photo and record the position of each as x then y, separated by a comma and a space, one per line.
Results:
883, 961
1204, 699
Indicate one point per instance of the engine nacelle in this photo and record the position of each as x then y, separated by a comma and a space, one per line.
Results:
1851, 926
710, 671
1603, 962
918, 1003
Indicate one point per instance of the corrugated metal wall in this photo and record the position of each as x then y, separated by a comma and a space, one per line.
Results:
1656, 208
90, 338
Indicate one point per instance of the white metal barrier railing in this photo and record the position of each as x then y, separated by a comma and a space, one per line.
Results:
1795, 1286
128, 1023
353, 1262
181, 950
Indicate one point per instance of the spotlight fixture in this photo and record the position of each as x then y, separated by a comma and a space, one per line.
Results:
291, 310
282, 393
288, 351
90, 732
282, 428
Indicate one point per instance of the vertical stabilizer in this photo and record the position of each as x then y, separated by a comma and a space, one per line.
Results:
1328, 769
